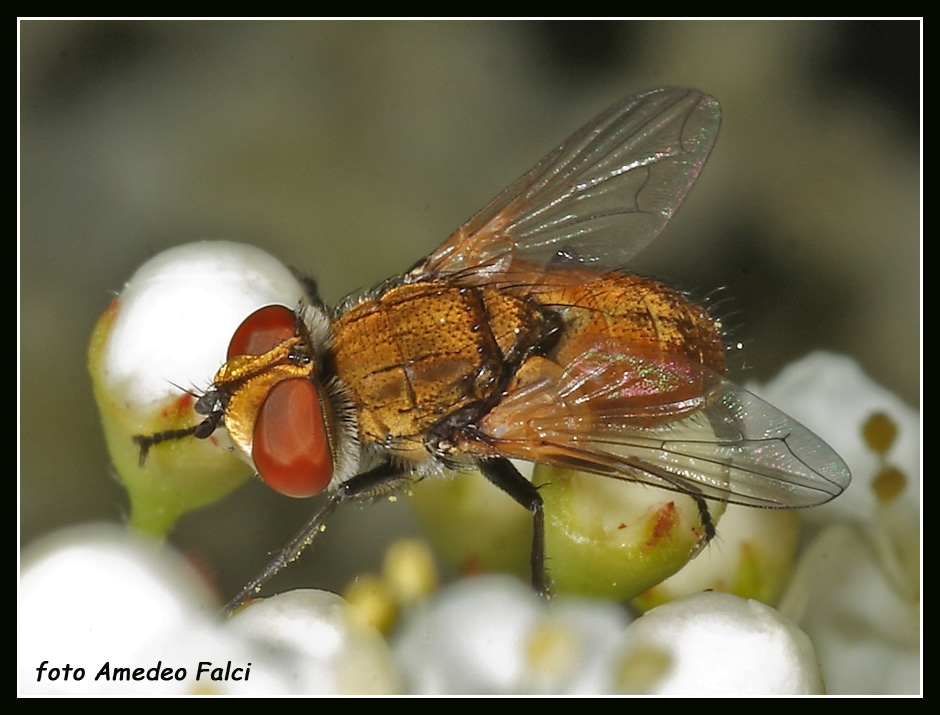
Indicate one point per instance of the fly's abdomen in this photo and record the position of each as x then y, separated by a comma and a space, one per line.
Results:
635, 311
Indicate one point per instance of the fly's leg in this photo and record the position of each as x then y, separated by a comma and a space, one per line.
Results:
505, 476
374, 483
210, 404
704, 515
708, 524
145, 441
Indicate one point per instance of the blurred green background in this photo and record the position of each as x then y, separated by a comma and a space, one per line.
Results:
351, 149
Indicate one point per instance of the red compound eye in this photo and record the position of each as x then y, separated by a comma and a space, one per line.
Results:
290, 449
263, 330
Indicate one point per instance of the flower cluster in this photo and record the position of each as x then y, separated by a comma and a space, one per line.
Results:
104, 612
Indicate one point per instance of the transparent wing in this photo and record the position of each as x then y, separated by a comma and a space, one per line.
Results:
598, 198
669, 422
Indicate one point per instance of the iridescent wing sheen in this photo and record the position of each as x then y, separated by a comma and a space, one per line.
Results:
669, 422
598, 198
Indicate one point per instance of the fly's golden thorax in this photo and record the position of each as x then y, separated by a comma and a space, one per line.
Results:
420, 351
